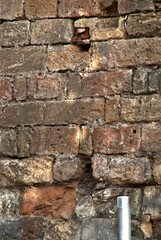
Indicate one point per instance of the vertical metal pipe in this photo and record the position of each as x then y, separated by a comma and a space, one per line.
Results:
124, 218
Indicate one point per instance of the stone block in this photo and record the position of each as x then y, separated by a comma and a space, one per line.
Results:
22, 60
54, 140
141, 108
5, 90
8, 142
155, 81
41, 9
51, 31
99, 83
14, 33
67, 169
50, 202
20, 88
102, 29
151, 140
23, 144
128, 6
11, 9
85, 207
112, 109
48, 87
156, 226
157, 168
116, 139
73, 111
140, 80
75, 9
21, 114
122, 170
85, 145
151, 200
27, 171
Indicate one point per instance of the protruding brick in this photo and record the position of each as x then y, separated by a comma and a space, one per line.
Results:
51, 31
99, 83
27, 171
5, 90
22, 60
122, 170
67, 57
41, 9
51, 202
50, 86
50, 140
116, 139
85, 145
102, 29
141, 108
20, 88
74, 9
128, 6
11, 9
21, 114
67, 169
151, 140
151, 200
8, 142
112, 110
14, 33
73, 111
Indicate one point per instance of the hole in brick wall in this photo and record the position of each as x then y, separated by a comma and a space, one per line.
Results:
110, 6
82, 38
85, 48
134, 131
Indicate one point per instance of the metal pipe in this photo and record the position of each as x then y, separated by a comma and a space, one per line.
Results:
124, 218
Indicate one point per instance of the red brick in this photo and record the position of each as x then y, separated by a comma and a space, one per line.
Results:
51, 140
128, 6
116, 139
5, 90
100, 83
51, 202
112, 110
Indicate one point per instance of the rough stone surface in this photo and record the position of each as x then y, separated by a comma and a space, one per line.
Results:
112, 110
146, 226
128, 6
14, 33
151, 200
83, 8
108, 28
5, 90
155, 81
51, 202
122, 170
157, 168
85, 145
22, 60
151, 139
67, 169
48, 140
73, 111
21, 114
48, 87
156, 226
105, 200
140, 80
23, 142
85, 207
27, 171
20, 88
99, 83
116, 139
40, 9
64, 230
141, 108
11, 9
67, 57
51, 31
8, 145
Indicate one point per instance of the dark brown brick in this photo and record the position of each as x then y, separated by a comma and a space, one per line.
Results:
73, 111
8, 143
51, 202
50, 140
22, 60
112, 110
141, 108
155, 81
14, 33
116, 139
40, 9
11, 9
21, 114
5, 90
51, 31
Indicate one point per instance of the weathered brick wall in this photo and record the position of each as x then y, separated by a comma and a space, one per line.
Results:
80, 118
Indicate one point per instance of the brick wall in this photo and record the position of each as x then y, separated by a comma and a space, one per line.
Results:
80, 118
